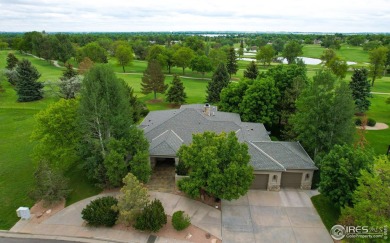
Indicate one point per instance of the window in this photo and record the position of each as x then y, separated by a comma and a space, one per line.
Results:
307, 177
274, 178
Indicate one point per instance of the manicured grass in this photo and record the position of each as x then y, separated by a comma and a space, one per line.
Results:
17, 168
346, 52
380, 111
327, 211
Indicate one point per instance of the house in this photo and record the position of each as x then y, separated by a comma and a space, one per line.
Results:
276, 164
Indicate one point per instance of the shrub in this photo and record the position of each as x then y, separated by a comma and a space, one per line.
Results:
371, 122
358, 122
180, 220
152, 218
99, 212
181, 169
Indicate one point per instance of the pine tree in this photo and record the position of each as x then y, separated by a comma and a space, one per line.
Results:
219, 81
12, 61
231, 65
361, 88
153, 79
28, 88
251, 71
176, 93
69, 71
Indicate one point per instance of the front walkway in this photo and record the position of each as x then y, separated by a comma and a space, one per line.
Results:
265, 216
163, 178
68, 222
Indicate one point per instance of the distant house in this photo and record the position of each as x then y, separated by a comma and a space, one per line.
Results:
276, 164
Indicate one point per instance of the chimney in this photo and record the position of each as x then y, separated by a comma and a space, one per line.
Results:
207, 109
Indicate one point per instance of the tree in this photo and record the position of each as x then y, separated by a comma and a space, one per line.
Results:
133, 198
12, 61
57, 135
105, 118
219, 81
216, 57
219, 166
201, 64
65, 48
377, 62
85, 65
324, 114
183, 57
291, 51
339, 67
328, 55
124, 54
361, 90
231, 96
259, 101
371, 205
241, 49
99, 212
27, 86
231, 64
278, 45
153, 79
265, 54
340, 170
176, 93
94, 52
49, 185
139, 108
69, 83
251, 71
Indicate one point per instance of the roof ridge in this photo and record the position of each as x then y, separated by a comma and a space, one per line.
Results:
269, 156
311, 160
180, 111
285, 142
177, 136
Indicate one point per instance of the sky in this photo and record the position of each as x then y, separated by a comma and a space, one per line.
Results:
341, 16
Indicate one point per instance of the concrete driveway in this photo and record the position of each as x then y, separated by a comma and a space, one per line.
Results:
263, 216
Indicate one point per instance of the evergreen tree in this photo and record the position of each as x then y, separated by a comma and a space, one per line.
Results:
153, 79
139, 108
361, 89
219, 81
251, 71
27, 86
231, 65
12, 61
176, 93
69, 71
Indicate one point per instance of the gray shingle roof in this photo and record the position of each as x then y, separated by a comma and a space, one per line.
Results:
290, 155
167, 130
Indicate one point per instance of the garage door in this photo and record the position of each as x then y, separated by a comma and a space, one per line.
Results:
260, 182
291, 179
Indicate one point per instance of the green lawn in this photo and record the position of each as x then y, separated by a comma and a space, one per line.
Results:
327, 211
346, 52
17, 168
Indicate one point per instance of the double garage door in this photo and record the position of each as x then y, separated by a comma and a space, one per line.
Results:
291, 180
288, 180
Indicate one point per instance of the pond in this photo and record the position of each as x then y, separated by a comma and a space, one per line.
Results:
306, 60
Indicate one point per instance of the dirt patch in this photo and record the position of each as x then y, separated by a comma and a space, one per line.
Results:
191, 234
42, 213
174, 106
378, 126
154, 101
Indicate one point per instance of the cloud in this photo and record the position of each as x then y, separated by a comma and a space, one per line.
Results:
216, 15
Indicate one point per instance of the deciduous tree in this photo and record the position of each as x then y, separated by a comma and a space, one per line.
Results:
265, 54
377, 62
201, 64
340, 170
231, 96
85, 65
219, 166
183, 57
124, 54
291, 51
